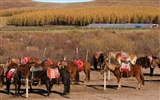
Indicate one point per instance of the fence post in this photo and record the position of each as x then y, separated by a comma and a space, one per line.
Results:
77, 53
104, 80
87, 55
26, 87
109, 74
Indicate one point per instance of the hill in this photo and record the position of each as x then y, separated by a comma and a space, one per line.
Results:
17, 4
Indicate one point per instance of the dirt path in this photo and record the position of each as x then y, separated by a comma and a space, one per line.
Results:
93, 90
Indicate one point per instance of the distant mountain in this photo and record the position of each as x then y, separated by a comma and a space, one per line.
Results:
24, 4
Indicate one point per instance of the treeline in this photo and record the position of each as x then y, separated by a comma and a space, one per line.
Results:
85, 16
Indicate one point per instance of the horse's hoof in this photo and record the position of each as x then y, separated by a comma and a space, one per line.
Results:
138, 88
118, 88
63, 94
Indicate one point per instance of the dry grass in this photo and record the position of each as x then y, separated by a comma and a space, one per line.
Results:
64, 43
3, 21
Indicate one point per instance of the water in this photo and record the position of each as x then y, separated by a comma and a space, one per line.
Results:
63, 1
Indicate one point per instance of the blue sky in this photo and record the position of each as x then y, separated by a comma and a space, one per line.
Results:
63, 1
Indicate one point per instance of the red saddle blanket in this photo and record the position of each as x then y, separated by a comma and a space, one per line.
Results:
80, 64
10, 73
97, 55
53, 73
125, 67
25, 60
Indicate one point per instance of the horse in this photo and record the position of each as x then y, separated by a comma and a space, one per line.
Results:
25, 71
12, 60
72, 68
28, 59
15, 75
46, 78
22, 60
85, 66
123, 56
98, 58
148, 62
1, 76
135, 70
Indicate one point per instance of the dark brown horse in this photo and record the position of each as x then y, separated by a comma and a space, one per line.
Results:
135, 70
148, 62
98, 59
72, 68
1, 76
44, 76
16, 74
26, 71
85, 66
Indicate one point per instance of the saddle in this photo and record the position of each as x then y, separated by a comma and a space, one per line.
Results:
124, 56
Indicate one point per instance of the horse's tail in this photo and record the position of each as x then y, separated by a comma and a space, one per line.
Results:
142, 78
3, 78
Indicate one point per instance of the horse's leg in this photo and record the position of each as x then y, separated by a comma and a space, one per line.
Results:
16, 88
151, 70
95, 65
118, 81
139, 81
66, 80
86, 78
30, 85
8, 86
118, 75
19, 87
48, 87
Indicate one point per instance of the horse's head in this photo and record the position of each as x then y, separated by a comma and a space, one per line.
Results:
155, 63
104, 65
8, 61
62, 64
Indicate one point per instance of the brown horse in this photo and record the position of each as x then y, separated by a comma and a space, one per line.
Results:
148, 62
135, 70
1, 76
30, 60
123, 56
22, 60
72, 68
85, 66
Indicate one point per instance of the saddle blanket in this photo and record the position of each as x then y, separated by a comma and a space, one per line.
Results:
25, 60
80, 65
53, 73
10, 73
97, 55
125, 67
